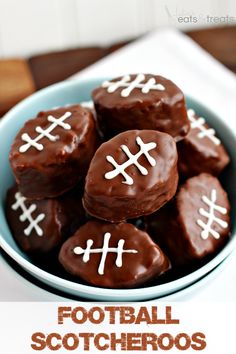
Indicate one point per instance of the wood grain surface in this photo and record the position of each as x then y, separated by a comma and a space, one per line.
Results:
219, 42
16, 83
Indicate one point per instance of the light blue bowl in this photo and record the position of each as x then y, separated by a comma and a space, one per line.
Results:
73, 92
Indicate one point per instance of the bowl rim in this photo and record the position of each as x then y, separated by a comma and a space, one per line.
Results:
175, 296
154, 290
176, 285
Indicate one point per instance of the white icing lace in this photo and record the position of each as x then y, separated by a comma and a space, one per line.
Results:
132, 160
104, 251
27, 215
198, 123
45, 133
129, 85
210, 215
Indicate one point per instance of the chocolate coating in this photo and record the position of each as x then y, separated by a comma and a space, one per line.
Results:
113, 199
60, 164
136, 268
201, 154
72, 207
156, 110
176, 226
58, 218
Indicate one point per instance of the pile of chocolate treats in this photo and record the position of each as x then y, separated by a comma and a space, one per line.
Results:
87, 177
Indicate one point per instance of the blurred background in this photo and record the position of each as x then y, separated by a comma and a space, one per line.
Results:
42, 42
30, 27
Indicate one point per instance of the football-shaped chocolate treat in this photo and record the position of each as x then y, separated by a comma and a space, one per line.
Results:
195, 224
52, 152
113, 255
38, 226
133, 174
141, 102
201, 151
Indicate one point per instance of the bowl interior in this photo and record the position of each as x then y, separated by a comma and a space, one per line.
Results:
74, 92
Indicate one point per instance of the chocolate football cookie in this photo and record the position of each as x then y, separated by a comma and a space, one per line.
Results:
113, 255
141, 102
195, 224
133, 174
201, 151
52, 152
39, 226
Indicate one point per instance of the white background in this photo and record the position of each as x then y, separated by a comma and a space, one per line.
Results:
20, 320
29, 26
